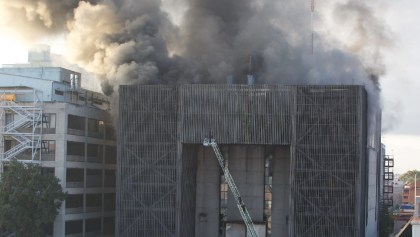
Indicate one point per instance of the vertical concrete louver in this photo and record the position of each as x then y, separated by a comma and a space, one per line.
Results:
160, 132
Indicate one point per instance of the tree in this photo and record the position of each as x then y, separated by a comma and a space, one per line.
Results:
386, 222
408, 177
29, 199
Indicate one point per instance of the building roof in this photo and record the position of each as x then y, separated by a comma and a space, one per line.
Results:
55, 83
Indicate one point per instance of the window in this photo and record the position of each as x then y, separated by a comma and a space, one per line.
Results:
48, 120
59, 92
94, 153
223, 201
93, 178
110, 155
109, 132
109, 225
48, 147
75, 148
74, 201
109, 178
109, 201
96, 128
94, 200
76, 122
74, 227
93, 225
268, 183
75, 175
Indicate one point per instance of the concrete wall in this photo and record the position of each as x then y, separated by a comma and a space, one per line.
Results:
60, 163
246, 164
281, 218
208, 193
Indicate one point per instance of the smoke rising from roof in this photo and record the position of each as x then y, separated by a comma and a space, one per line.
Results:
206, 41
129, 42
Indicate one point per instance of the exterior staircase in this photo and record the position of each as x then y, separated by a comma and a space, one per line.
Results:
22, 128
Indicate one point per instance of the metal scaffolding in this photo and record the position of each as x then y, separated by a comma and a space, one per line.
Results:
161, 125
388, 178
327, 163
147, 137
20, 128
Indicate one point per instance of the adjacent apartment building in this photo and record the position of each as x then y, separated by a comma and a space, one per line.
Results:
46, 117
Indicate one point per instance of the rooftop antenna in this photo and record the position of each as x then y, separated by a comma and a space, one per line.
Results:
250, 77
250, 65
312, 25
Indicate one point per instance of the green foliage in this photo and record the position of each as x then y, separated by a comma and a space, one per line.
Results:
386, 222
29, 200
408, 177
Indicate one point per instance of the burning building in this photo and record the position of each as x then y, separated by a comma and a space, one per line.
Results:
302, 154
301, 157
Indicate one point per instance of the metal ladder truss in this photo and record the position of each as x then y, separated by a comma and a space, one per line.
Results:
232, 186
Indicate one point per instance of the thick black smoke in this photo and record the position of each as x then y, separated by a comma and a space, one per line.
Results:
136, 41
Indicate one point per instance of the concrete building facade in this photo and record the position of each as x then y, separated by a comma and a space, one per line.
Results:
301, 157
78, 145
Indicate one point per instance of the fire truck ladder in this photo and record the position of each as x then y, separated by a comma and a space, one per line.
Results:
239, 202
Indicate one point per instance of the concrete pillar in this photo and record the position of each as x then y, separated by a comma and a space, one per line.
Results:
281, 192
246, 164
207, 193
60, 167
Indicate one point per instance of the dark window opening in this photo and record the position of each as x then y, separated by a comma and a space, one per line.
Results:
94, 200
109, 178
109, 201
110, 155
93, 178
59, 92
96, 128
93, 225
74, 227
76, 122
94, 153
75, 148
268, 187
109, 225
74, 201
75, 175
110, 132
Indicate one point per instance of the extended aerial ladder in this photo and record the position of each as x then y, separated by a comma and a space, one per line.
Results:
239, 202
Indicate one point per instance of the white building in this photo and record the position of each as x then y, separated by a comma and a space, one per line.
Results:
47, 117
398, 190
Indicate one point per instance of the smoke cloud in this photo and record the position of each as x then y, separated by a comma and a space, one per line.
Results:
37, 18
206, 41
130, 42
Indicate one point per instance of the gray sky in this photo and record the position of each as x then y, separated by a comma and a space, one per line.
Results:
401, 85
